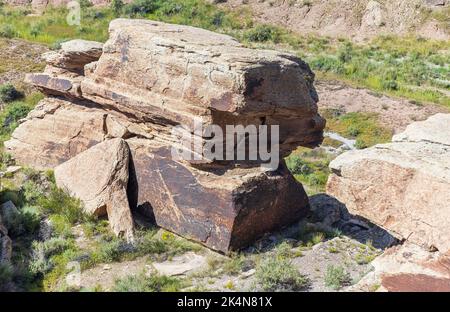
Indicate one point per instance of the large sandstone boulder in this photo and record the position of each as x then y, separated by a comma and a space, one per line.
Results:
99, 177
401, 186
57, 130
223, 208
171, 74
150, 78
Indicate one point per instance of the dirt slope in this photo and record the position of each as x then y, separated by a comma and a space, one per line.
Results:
356, 19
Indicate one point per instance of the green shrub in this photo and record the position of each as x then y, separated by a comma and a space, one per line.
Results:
148, 244
24, 222
117, 7
59, 202
9, 93
364, 127
277, 273
336, 277
7, 31
16, 111
35, 30
32, 192
310, 168
6, 274
263, 33
152, 283
5, 160
85, 4
42, 253
236, 264
171, 8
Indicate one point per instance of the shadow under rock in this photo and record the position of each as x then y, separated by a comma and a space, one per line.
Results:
330, 212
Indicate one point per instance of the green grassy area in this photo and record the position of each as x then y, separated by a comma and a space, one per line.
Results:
310, 167
363, 127
409, 67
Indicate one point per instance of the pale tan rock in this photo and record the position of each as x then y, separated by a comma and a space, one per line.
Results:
435, 129
54, 132
185, 264
407, 267
152, 77
401, 186
74, 54
99, 178
57, 130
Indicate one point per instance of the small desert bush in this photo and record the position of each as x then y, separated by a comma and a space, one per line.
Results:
141, 7
61, 203
10, 116
263, 33
23, 222
43, 253
7, 31
336, 277
236, 264
151, 283
310, 168
277, 273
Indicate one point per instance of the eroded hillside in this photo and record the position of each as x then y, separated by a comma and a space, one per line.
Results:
359, 20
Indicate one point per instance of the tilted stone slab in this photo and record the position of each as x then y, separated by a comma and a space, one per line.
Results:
99, 178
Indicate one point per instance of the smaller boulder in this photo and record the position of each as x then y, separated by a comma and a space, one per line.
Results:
8, 212
74, 54
99, 178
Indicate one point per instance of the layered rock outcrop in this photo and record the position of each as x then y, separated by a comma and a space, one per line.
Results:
152, 77
401, 186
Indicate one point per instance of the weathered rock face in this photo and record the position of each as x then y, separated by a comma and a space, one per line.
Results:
55, 131
222, 208
99, 177
401, 186
408, 268
150, 78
